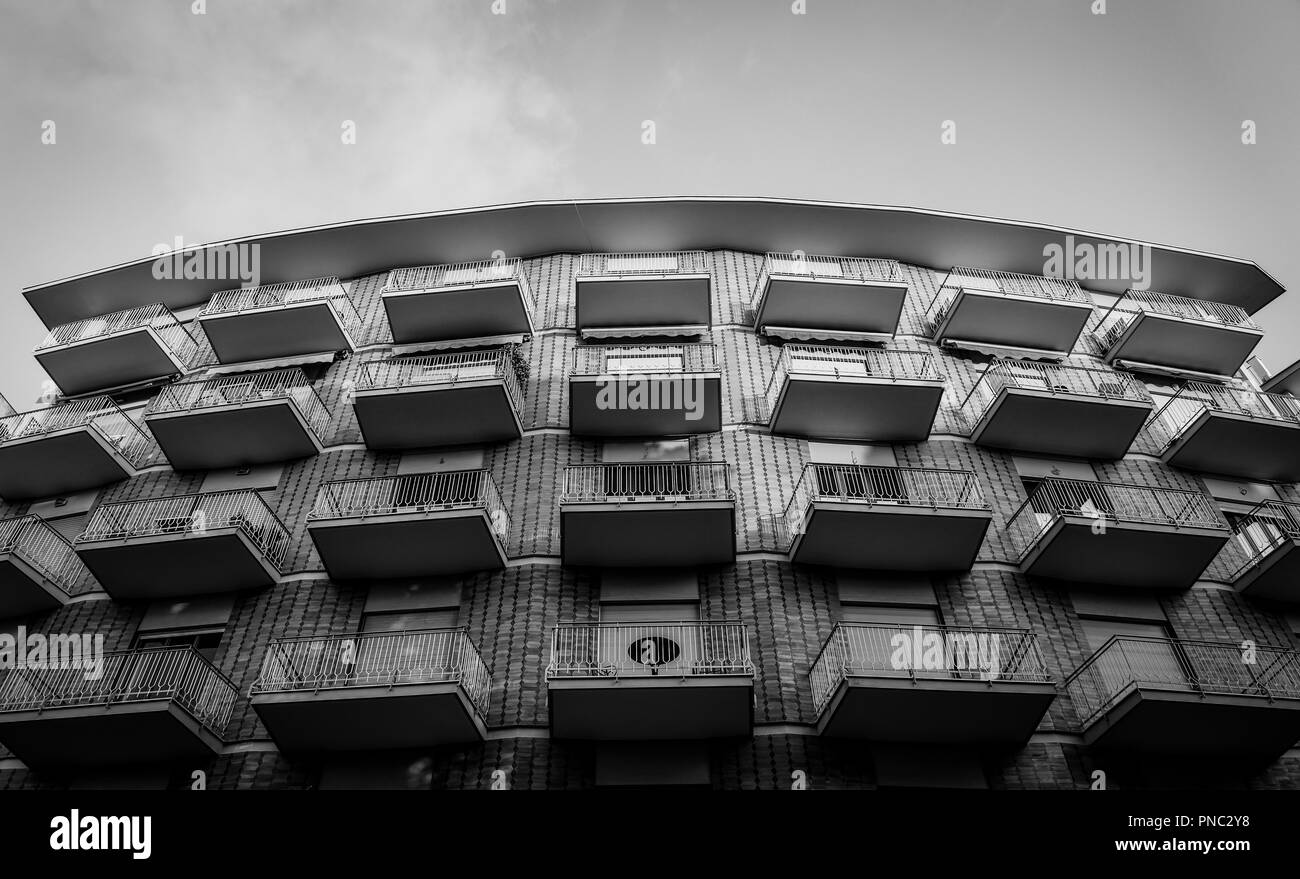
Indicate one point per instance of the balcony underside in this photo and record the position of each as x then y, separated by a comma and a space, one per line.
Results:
23, 590
649, 533
269, 333
412, 544
1276, 576
1185, 722
366, 718
1184, 344
420, 416
1073, 425
177, 565
54, 464
234, 435
832, 305
109, 362
1136, 556
649, 301
889, 537
662, 707
936, 711
157, 731
457, 313
674, 418
1013, 321
855, 408
1238, 445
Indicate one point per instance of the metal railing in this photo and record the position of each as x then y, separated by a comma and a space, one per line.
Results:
376, 659
156, 316
456, 276
1267, 527
1167, 424
1005, 283
193, 514
145, 674
1054, 378
668, 649
680, 262
616, 483
100, 414
839, 268
1134, 303
317, 290
1108, 503
31, 539
289, 384
1125, 663
887, 486
836, 362
444, 369
598, 360
870, 650
417, 493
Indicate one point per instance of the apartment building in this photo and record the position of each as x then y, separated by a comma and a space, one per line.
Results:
715, 493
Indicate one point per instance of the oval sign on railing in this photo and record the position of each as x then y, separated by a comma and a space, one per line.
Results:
654, 650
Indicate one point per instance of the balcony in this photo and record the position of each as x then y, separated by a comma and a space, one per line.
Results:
1000, 312
1146, 330
1262, 558
649, 390
1231, 431
1188, 697
637, 294
829, 297
1120, 535
39, 571
281, 320
671, 680
441, 399
154, 705
410, 526
116, 350
469, 300
930, 684
233, 420
1050, 409
71, 447
862, 394
886, 518
373, 691
653, 515
175, 547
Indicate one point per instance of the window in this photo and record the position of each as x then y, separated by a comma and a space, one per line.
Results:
1142, 659
650, 640
260, 477
871, 648
205, 641
409, 621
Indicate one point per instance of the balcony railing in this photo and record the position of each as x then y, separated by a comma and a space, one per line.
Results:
977, 654
837, 362
45, 550
1255, 536
234, 390
1195, 398
888, 486
838, 268
601, 360
194, 514
669, 649
376, 659
1110, 503
1124, 664
615, 483
1006, 283
1054, 378
417, 493
446, 369
180, 674
100, 414
324, 290
1133, 303
602, 265
456, 276
156, 316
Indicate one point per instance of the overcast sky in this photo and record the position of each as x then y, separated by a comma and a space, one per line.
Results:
228, 124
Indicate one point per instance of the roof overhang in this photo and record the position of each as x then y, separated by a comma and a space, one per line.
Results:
935, 239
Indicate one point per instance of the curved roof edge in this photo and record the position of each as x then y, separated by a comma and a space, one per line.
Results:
935, 239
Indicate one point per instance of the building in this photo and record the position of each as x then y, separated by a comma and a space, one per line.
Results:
726, 493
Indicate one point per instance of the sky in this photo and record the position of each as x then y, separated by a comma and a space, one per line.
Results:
228, 123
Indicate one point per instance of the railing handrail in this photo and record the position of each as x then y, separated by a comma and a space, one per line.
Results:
593, 360
1134, 302
289, 383
326, 290
1167, 424
705, 648
1259, 532
660, 262
48, 552
393, 495
872, 484
889, 364
115, 426
1072, 379
1005, 283
155, 315
458, 275
444, 369
679, 480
